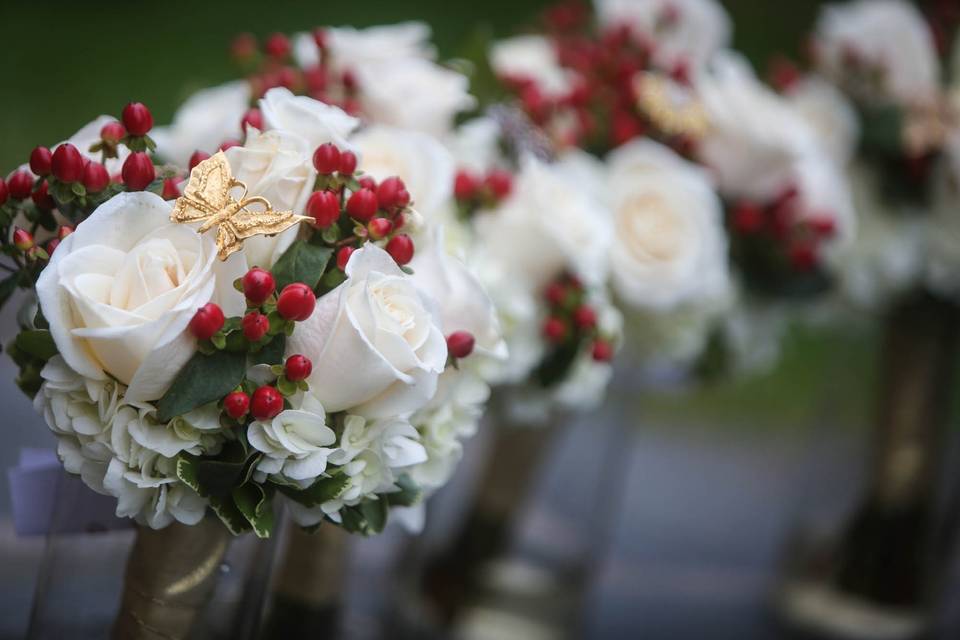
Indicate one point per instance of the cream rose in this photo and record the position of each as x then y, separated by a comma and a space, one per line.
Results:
205, 121
889, 34
278, 166
310, 119
375, 341
119, 292
670, 248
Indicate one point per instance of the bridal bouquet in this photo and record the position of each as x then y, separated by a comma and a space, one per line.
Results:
265, 326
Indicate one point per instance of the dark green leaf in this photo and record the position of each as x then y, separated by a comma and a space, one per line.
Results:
37, 343
8, 286
187, 471
272, 352
375, 513
230, 515
256, 507
219, 475
409, 494
205, 378
302, 262
323, 490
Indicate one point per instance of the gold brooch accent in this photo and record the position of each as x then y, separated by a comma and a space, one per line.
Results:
207, 198
672, 108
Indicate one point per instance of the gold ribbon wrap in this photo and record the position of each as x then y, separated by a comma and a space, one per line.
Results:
170, 575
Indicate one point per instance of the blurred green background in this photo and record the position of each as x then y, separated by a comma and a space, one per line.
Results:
65, 62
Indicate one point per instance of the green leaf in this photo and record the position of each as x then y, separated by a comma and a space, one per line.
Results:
409, 494
323, 490
286, 387
204, 379
375, 513
256, 506
302, 262
272, 352
219, 475
187, 471
230, 515
8, 286
37, 343
78, 189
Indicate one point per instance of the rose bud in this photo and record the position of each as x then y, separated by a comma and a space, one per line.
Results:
42, 199
401, 248
296, 302
236, 404
298, 368
554, 329
343, 257
326, 159
348, 163
324, 208
585, 317
460, 344
277, 46
23, 239
113, 132
255, 325
95, 177
258, 286
196, 158
252, 118
465, 185
138, 171
137, 119
20, 185
67, 163
207, 321
362, 205
499, 182
40, 161
379, 228
267, 403
602, 351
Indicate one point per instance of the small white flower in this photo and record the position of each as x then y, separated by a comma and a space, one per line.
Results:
296, 443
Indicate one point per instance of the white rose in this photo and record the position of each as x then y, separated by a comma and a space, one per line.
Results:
683, 31
278, 166
295, 443
424, 165
830, 114
889, 34
476, 144
375, 341
670, 248
310, 119
120, 291
531, 58
548, 224
351, 47
413, 93
463, 302
206, 120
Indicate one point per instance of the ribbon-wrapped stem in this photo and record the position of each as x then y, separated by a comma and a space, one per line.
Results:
170, 575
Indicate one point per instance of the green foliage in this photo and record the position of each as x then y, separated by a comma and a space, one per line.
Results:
323, 490
37, 343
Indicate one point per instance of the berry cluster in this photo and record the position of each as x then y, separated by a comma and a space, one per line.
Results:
474, 192
776, 230
572, 321
600, 110
268, 316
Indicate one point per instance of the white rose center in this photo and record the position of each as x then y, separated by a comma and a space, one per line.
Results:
653, 230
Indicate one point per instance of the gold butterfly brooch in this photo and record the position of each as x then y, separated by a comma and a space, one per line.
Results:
207, 198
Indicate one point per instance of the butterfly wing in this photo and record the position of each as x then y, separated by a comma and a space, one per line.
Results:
246, 223
207, 192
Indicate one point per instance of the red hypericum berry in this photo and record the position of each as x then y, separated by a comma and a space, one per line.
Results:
680, 72
171, 189
40, 161
255, 325
20, 185
460, 344
625, 128
499, 182
554, 329
229, 144
602, 351
113, 132
4, 191
96, 178
392, 194
138, 171
367, 182
401, 248
349, 80
343, 257
52, 246
326, 159
823, 226
207, 321
64, 231
747, 218
296, 302
252, 118
196, 158
258, 285
465, 185
803, 256
277, 46
23, 239
297, 368
379, 228
320, 37
324, 208
556, 293
42, 199
348, 163
267, 403
362, 205
784, 74
585, 317
137, 119
67, 163
243, 47
236, 404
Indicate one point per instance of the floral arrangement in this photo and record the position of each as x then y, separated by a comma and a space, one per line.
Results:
262, 328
